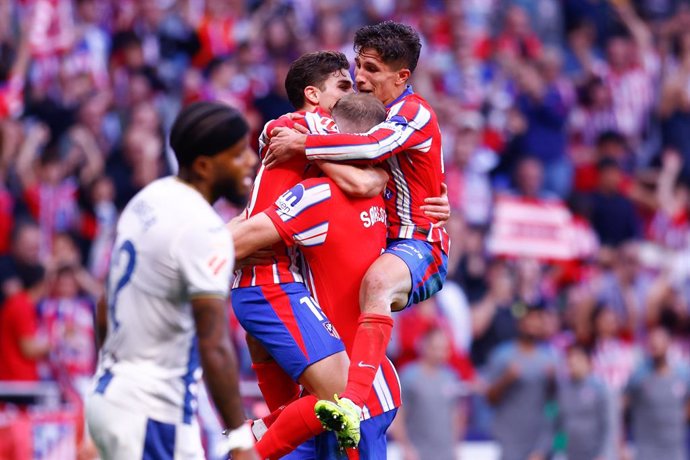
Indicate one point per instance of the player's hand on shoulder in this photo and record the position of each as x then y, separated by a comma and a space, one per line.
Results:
294, 116
285, 143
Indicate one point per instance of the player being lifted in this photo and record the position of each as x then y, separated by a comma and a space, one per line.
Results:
317, 216
167, 294
414, 264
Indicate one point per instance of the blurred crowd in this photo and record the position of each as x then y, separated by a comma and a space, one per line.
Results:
564, 326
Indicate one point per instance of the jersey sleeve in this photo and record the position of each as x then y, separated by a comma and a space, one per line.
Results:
281, 122
301, 215
205, 258
409, 127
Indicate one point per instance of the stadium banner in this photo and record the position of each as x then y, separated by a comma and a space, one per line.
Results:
52, 26
539, 229
38, 436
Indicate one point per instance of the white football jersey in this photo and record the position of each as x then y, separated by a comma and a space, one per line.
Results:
171, 246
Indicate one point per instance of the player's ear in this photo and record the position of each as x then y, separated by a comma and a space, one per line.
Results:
403, 76
311, 95
202, 166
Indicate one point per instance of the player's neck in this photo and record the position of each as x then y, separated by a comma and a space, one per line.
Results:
186, 178
394, 95
307, 107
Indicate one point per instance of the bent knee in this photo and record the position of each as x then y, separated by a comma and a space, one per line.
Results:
386, 285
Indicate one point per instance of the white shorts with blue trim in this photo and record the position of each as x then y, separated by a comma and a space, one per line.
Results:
121, 434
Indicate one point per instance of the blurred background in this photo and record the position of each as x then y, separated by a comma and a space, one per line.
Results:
563, 330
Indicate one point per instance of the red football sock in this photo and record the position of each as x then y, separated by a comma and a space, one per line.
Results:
295, 425
371, 340
277, 387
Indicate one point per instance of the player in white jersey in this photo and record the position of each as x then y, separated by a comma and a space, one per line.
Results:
166, 301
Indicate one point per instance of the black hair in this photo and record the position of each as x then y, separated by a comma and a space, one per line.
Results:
395, 43
312, 69
30, 275
359, 111
607, 163
611, 136
205, 129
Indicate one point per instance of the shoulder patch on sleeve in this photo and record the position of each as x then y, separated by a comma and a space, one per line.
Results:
298, 199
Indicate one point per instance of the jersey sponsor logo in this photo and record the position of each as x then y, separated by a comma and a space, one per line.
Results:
290, 198
372, 216
298, 199
387, 194
331, 329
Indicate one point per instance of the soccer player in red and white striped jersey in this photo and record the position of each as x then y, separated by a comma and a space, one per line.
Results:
414, 266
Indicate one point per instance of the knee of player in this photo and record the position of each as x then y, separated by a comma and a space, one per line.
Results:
379, 290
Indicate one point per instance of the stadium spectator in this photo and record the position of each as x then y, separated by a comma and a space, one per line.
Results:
657, 395
520, 378
467, 174
613, 215
65, 317
24, 258
22, 346
431, 391
582, 403
545, 110
613, 361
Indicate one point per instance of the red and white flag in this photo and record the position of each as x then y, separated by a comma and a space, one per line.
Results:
538, 229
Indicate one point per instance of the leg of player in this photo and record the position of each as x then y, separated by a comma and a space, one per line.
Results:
297, 423
276, 386
386, 287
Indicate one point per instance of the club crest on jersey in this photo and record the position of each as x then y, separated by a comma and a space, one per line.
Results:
387, 194
374, 215
290, 198
331, 329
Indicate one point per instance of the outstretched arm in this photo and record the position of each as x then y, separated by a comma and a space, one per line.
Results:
635, 25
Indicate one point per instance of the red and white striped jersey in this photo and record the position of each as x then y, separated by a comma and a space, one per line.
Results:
327, 224
409, 142
268, 186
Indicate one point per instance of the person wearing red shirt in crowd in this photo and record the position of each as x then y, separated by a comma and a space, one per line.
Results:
21, 348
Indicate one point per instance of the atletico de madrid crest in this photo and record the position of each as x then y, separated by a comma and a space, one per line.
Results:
331, 329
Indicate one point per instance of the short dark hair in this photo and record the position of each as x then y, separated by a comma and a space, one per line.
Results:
395, 43
359, 111
205, 129
611, 136
312, 69
607, 163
